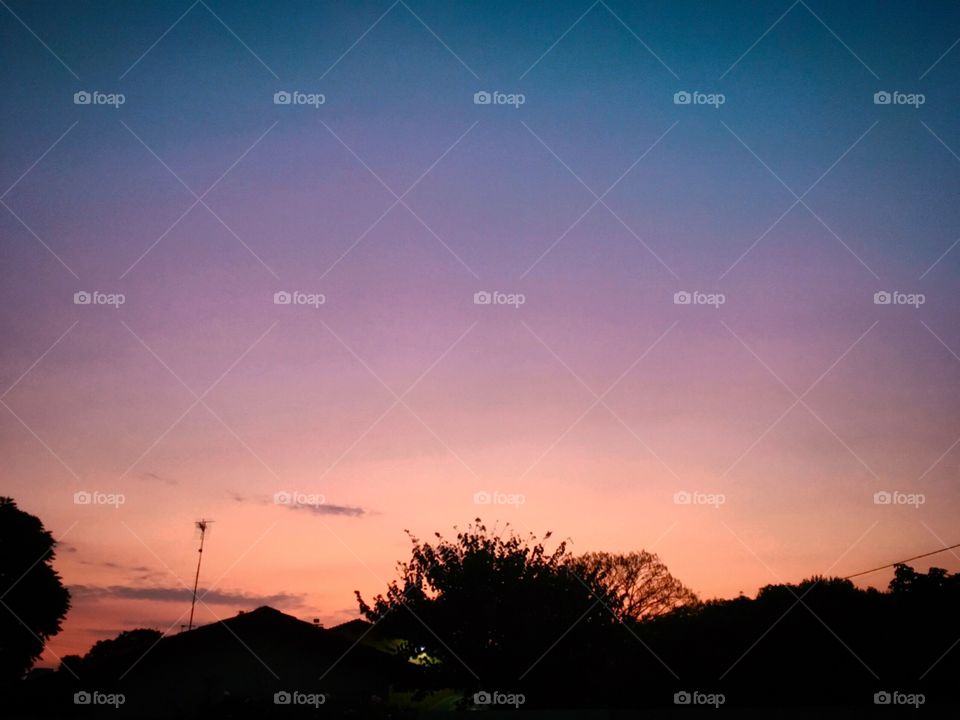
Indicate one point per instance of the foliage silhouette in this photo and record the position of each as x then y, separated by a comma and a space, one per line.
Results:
822, 641
639, 584
496, 609
108, 660
620, 631
34, 600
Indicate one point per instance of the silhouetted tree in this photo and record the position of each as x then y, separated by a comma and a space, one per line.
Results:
906, 580
72, 665
822, 641
638, 582
107, 660
33, 600
492, 611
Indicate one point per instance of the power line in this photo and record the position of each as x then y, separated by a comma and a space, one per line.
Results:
901, 562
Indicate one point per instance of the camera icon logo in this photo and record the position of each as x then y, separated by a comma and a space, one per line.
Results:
682, 298
82, 498
482, 297
882, 698
282, 498
682, 698
481, 497
82, 98
282, 698
482, 98
482, 698
282, 97
82, 698
682, 498
882, 498
682, 97
282, 297
882, 98
882, 297
82, 298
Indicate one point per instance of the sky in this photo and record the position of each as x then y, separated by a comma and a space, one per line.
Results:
742, 436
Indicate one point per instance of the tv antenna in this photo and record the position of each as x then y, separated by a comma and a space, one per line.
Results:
201, 525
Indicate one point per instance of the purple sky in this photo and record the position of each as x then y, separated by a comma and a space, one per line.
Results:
585, 409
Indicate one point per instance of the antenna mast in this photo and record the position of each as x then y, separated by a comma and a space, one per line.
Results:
202, 527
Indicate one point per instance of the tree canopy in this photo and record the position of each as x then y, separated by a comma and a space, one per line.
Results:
33, 598
640, 586
494, 606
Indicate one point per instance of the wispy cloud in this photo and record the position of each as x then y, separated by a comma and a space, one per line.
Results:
156, 477
330, 509
115, 565
179, 594
319, 508
138, 572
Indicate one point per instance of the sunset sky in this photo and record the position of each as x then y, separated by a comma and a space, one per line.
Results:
398, 399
